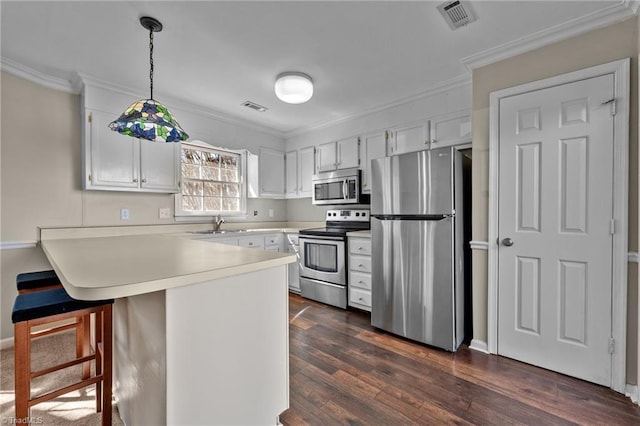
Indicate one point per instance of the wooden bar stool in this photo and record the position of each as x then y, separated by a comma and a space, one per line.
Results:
45, 307
28, 282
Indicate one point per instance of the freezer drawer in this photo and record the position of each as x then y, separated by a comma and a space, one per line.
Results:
413, 280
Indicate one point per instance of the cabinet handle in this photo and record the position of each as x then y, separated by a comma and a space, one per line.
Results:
360, 265
434, 141
144, 181
250, 244
359, 248
135, 179
360, 282
360, 298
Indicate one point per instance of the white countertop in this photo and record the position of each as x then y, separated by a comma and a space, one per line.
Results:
121, 266
363, 234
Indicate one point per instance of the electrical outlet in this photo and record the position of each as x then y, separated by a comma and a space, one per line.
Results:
124, 214
255, 212
164, 213
270, 212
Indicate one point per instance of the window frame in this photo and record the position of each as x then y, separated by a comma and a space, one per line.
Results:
203, 146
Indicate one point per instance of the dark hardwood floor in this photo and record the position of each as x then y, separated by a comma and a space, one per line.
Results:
343, 371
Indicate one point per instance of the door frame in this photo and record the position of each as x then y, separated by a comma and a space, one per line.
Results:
620, 69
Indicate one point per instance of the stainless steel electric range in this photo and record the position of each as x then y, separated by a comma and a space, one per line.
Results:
323, 256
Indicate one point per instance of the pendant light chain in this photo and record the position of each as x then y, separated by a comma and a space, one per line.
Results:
151, 60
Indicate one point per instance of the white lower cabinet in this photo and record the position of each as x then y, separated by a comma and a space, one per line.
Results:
294, 269
360, 272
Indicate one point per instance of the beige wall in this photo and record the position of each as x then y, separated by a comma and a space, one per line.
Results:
601, 46
40, 180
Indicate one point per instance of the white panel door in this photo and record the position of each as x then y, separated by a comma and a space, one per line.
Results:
555, 210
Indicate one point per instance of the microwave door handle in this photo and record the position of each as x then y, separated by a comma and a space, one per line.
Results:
345, 189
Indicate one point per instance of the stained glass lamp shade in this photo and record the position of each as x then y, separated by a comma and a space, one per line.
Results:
147, 118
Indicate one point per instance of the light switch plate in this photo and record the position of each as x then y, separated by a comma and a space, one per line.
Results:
124, 214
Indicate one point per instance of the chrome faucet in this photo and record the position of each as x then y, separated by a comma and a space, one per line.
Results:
217, 222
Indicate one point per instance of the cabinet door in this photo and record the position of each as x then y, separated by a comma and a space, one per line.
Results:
159, 166
371, 147
291, 174
347, 155
450, 130
306, 170
271, 171
112, 160
327, 157
410, 138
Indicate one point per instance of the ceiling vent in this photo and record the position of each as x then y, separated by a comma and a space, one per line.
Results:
457, 13
254, 106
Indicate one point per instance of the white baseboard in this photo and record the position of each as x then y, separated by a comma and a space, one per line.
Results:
6, 343
479, 345
633, 392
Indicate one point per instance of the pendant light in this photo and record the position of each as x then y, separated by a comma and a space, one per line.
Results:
147, 118
294, 87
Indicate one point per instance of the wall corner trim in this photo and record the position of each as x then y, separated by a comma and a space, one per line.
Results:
479, 245
479, 345
10, 245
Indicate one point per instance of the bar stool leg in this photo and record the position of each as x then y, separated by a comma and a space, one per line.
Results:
99, 333
107, 359
22, 345
84, 338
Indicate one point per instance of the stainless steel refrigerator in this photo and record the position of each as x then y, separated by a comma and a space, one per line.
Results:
417, 246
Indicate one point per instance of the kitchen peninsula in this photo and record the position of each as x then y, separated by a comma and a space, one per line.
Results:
200, 328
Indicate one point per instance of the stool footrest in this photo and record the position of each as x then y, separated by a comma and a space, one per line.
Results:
52, 330
51, 395
62, 366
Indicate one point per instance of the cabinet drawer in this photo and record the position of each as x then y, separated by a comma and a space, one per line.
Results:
360, 263
251, 242
272, 240
360, 297
360, 280
360, 246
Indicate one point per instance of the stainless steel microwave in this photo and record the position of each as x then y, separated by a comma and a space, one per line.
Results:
338, 187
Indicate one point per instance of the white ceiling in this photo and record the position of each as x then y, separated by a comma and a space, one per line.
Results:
361, 55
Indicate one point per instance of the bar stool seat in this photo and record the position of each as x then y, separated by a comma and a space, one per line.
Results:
46, 307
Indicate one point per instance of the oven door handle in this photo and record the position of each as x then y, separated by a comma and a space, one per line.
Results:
317, 238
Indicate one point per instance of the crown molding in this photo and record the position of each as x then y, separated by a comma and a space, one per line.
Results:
599, 19
444, 86
26, 73
78, 80
81, 79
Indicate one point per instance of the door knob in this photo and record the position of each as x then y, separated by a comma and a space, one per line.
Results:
507, 242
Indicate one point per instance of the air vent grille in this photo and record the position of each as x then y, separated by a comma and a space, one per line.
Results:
254, 106
457, 13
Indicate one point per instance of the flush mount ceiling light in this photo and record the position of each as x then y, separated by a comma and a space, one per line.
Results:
147, 118
294, 87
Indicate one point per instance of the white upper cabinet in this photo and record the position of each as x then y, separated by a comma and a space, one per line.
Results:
291, 174
372, 146
272, 173
306, 170
452, 129
342, 154
121, 163
410, 138
159, 166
